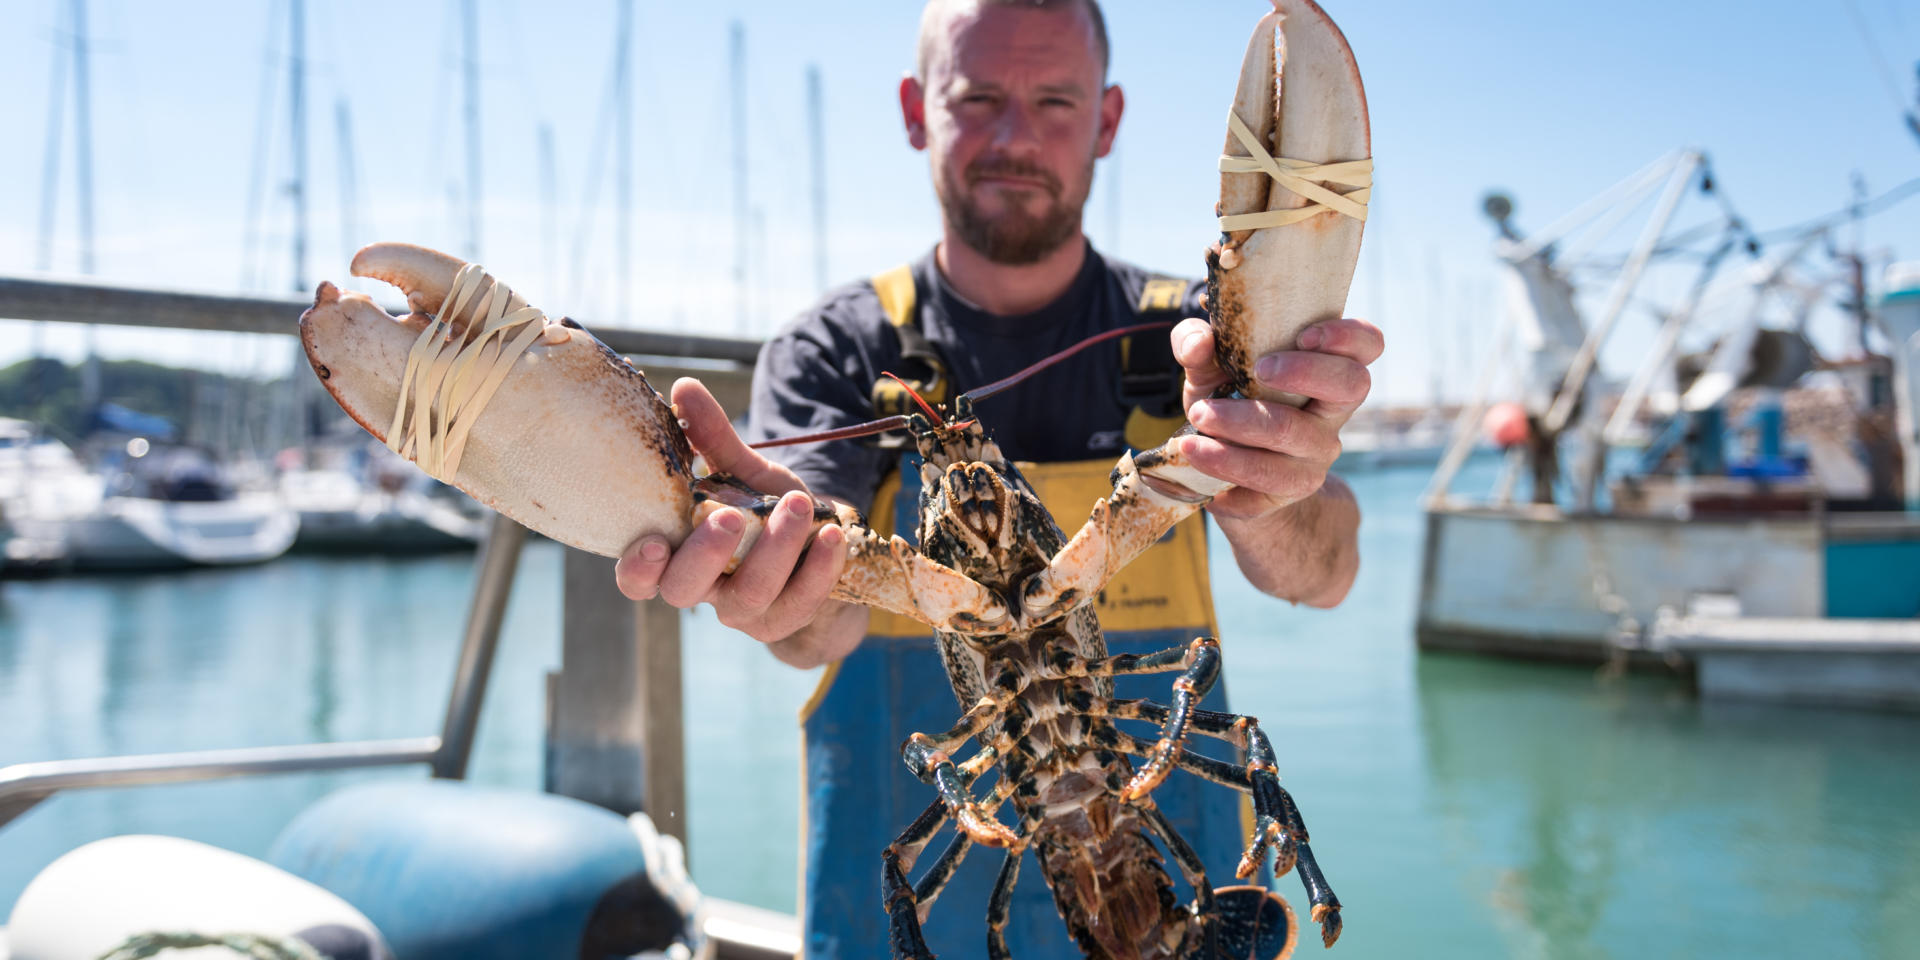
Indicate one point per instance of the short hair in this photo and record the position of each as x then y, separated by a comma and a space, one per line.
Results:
928, 21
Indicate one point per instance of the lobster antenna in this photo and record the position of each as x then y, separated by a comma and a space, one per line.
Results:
931, 413
867, 429
981, 393
884, 424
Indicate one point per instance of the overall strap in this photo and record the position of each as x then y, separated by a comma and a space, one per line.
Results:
922, 366
1150, 378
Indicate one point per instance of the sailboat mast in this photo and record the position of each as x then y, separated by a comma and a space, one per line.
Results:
349, 185
549, 204
1436, 339
737, 36
83, 135
815, 131
83, 181
297, 101
50, 171
760, 271
623, 164
471, 22
299, 400
50, 175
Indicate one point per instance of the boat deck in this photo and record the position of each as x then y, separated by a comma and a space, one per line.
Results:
1813, 660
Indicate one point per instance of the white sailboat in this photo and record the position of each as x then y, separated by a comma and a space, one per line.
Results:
39, 476
158, 509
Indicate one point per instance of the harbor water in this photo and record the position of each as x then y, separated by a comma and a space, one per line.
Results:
1461, 807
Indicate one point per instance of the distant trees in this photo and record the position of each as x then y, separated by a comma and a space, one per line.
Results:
206, 408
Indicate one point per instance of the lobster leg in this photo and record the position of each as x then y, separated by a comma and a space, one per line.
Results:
930, 760
1270, 821
907, 908
989, 709
1260, 766
1198, 764
1000, 904
1188, 862
903, 923
979, 764
1215, 771
1203, 671
1277, 819
935, 879
1063, 664
933, 765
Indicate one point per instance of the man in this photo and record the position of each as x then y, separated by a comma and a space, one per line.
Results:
1011, 104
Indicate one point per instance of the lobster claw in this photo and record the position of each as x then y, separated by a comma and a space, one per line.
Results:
574, 444
542, 422
425, 276
1294, 185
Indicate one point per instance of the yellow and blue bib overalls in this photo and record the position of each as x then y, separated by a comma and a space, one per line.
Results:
857, 794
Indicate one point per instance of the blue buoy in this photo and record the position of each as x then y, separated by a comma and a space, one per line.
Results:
448, 870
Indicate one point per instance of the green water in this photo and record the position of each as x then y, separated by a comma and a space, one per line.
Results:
1461, 807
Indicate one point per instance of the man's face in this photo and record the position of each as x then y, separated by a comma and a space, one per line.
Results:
1013, 114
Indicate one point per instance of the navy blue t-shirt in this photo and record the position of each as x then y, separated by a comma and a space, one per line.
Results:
818, 371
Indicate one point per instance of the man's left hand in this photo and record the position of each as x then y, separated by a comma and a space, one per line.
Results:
1274, 454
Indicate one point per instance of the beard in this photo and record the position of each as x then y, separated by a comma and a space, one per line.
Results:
1014, 236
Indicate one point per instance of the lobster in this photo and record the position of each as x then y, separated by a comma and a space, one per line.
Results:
1041, 705
539, 420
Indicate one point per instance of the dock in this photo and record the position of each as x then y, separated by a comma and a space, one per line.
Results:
1860, 663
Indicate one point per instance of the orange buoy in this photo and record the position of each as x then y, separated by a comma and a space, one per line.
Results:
1506, 424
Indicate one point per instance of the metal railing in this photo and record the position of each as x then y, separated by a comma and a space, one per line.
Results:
75, 301
614, 707
25, 785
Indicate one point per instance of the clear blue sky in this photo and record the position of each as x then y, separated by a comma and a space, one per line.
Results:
1551, 101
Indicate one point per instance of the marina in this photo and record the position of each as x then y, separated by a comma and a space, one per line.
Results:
1497, 806
311, 641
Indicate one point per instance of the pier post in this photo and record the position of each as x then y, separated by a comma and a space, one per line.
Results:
615, 731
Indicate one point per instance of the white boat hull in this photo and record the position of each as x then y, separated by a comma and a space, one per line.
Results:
129, 533
340, 514
1536, 583
1523, 582
381, 524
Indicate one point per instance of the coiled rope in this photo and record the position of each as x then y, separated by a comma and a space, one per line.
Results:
257, 946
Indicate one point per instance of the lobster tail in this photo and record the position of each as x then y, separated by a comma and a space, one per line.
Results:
1114, 891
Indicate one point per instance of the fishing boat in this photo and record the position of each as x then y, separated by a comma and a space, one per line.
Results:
1770, 490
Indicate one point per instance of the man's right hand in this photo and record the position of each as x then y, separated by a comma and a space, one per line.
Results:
782, 583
